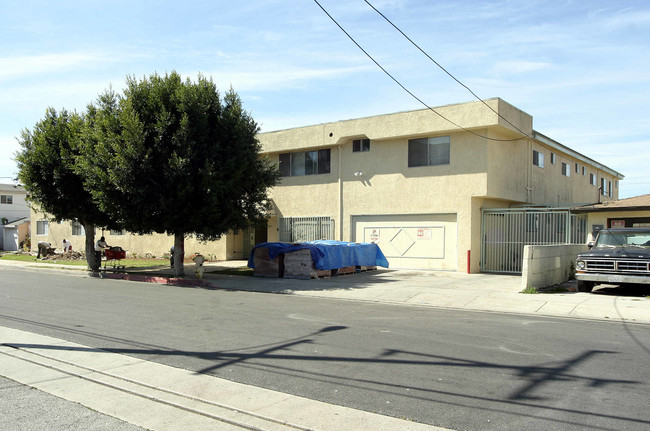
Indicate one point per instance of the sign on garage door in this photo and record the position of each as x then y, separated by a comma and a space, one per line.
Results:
419, 242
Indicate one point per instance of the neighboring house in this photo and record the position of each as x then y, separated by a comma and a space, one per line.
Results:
14, 214
629, 212
432, 195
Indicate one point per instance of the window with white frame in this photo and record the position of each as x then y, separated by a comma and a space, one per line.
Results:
553, 158
6, 199
305, 163
360, 145
566, 170
603, 186
592, 179
429, 151
42, 227
609, 189
577, 168
584, 171
538, 158
77, 229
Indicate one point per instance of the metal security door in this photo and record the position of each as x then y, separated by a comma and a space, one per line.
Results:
505, 232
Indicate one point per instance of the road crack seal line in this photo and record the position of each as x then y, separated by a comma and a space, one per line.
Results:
145, 396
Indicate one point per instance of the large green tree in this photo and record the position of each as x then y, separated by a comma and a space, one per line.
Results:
179, 159
47, 167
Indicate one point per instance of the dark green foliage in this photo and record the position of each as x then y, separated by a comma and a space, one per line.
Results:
181, 161
173, 157
47, 168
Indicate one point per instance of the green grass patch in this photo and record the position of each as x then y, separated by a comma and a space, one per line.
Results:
129, 263
530, 290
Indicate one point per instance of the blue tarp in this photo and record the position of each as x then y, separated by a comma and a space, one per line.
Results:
329, 254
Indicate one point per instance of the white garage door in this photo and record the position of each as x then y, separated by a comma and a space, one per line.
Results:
411, 241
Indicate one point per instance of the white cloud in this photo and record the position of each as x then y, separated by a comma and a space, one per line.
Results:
272, 78
15, 67
627, 18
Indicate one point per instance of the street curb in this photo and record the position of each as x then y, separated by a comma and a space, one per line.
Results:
172, 281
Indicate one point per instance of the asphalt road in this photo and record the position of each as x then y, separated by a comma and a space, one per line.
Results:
455, 369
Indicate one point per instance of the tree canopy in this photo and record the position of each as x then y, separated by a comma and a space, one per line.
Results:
172, 156
47, 168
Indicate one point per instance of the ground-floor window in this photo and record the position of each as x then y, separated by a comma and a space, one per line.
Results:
42, 227
300, 229
78, 229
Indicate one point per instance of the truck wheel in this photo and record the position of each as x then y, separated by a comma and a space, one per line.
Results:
585, 286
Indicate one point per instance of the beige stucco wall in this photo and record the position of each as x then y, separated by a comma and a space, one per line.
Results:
550, 186
473, 115
387, 185
157, 245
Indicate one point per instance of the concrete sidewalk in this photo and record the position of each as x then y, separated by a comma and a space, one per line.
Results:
478, 292
159, 397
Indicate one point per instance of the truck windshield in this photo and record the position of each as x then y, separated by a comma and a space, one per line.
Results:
619, 239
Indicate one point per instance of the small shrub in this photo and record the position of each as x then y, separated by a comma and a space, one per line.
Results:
530, 290
572, 272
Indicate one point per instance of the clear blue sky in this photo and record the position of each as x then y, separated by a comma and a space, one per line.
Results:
580, 68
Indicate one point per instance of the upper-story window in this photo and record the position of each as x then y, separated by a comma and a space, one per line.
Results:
538, 158
6, 199
609, 189
553, 158
305, 163
360, 145
428, 151
603, 186
584, 171
566, 170
592, 179
577, 168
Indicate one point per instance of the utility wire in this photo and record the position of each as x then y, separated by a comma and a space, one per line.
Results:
403, 87
444, 70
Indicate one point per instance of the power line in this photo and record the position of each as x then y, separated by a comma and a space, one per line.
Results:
444, 70
403, 87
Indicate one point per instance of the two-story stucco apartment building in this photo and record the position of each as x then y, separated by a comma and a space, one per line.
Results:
413, 182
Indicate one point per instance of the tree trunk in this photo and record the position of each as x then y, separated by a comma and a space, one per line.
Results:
179, 254
90, 247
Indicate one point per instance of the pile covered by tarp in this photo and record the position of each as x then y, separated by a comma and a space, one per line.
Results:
328, 254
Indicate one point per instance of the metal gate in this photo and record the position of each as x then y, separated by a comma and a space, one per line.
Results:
300, 229
505, 232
